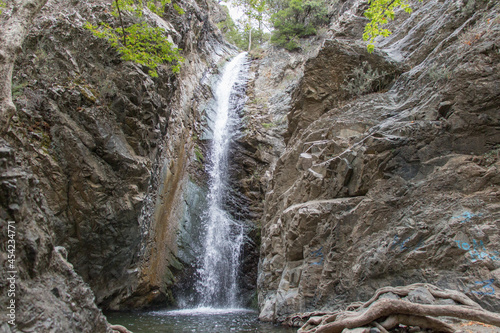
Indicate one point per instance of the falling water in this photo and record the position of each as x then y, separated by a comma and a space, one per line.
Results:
216, 306
223, 239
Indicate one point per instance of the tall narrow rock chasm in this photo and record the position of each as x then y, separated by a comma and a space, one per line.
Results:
349, 170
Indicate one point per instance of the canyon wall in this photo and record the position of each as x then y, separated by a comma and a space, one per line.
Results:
96, 163
359, 170
390, 174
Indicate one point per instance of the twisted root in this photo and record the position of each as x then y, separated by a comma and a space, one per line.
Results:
387, 313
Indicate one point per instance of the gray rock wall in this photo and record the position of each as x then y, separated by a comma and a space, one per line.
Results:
396, 183
273, 75
108, 150
40, 290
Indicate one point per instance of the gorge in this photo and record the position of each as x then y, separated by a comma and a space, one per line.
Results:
350, 171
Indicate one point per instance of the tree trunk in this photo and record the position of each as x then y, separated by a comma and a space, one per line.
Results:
260, 30
14, 25
250, 39
121, 23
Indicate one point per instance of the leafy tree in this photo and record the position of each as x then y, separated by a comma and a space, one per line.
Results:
2, 6
379, 13
294, 19
140, 42
259, 8
253, 10
246, 32
231, 32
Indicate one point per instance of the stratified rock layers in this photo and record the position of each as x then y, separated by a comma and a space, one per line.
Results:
396, 184
95, 163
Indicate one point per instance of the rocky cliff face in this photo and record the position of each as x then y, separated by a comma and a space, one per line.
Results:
103, 152
48, 295
273, 75
390, 174
365, 170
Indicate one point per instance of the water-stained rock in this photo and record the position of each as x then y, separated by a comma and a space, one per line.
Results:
110, 146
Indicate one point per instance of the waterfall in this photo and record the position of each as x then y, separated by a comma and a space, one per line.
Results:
217, 284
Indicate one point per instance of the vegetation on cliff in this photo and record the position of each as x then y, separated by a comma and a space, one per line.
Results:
134, 38
290, 19
379, 13
254, 11
246, 37
139, 41
294, 19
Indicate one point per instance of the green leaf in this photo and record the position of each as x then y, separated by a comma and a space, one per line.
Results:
140, 42
379, 12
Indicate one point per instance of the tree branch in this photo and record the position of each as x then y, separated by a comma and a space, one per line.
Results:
121, 22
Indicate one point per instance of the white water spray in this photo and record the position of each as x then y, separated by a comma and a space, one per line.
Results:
224, 236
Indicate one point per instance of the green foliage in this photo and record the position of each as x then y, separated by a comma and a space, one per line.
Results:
18, 89
364, 80
294, 19
199, 154
178, 9
253, 13
379, 13
231, 32
241, 36
136, 7
257, 35
2, 6
439, 73
268, 125
253, 9
140, 42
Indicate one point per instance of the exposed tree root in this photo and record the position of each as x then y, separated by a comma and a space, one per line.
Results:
389, 313
435, 291
119, 329
299, 319
380, 327
423, 322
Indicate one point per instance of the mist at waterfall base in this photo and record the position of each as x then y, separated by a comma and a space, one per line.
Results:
215, 306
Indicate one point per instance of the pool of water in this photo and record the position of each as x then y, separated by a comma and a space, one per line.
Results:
202, 320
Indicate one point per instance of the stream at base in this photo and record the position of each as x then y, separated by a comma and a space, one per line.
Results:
218, 270
201, 320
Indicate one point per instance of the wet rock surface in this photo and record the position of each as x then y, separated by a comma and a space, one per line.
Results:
273, 75
395, 186
108, 149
